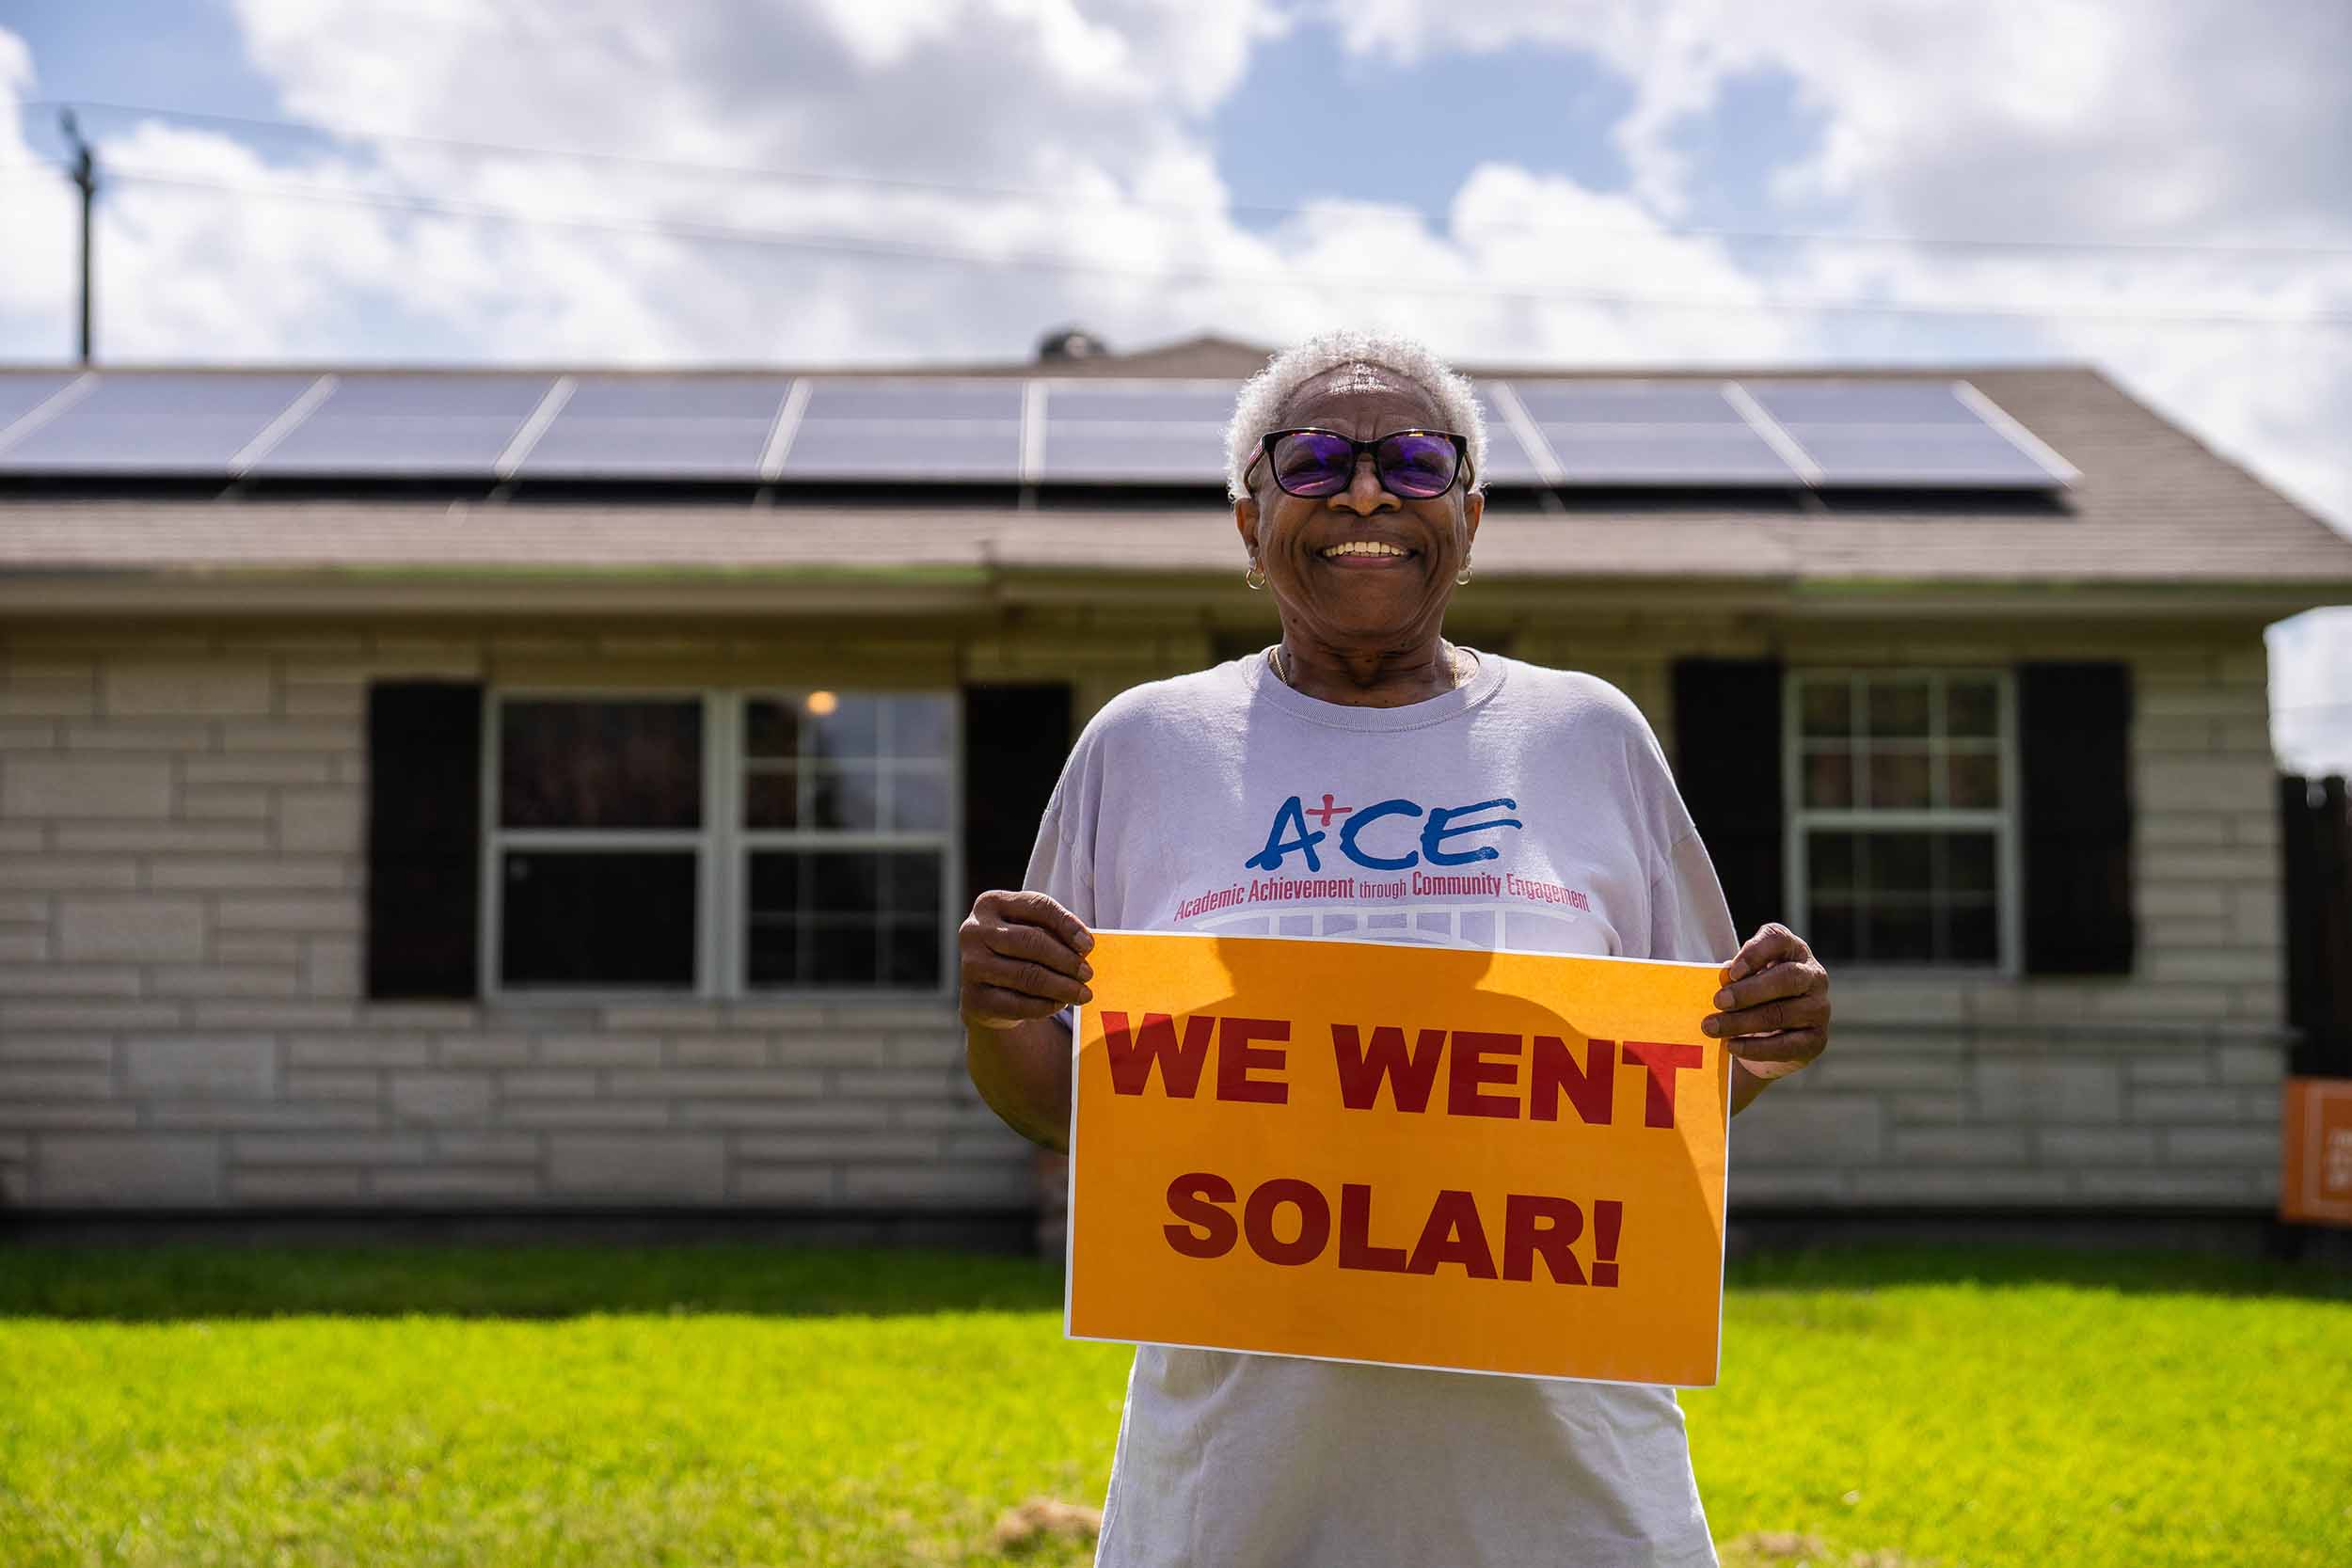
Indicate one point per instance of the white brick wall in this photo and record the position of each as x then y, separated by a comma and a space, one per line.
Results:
181, 1021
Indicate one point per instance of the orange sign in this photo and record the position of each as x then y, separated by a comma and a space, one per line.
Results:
2317, 1126
1422, 1156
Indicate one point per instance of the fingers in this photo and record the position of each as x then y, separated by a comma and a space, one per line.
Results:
1772, 944
1037, 945
1037, 908
1772, 984
1809, 1011
1778, 1054
1000, 1008
1022, 957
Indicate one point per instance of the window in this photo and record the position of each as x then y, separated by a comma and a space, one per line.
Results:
719, 844
1902, 836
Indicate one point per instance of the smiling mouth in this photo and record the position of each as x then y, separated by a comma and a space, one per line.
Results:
1363, 550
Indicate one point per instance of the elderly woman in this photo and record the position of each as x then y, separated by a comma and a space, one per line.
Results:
1354, 465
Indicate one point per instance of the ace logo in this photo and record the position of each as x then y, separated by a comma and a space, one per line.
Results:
1361, 843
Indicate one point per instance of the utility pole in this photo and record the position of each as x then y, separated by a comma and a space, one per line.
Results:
86, 176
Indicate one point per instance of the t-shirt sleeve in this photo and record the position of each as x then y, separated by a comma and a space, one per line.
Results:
1689, 922
1062, 863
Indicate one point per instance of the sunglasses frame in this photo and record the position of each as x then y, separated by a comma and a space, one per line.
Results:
1265, 450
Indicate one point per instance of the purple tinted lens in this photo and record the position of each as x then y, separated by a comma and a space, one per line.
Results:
1310, 462
1417, 466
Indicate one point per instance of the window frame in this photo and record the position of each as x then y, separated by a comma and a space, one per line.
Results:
721, 848
1797, 819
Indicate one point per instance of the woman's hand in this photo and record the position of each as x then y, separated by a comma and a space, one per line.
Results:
1775, 1017
1021, 954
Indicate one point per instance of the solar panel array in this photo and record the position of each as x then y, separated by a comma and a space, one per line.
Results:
775, 429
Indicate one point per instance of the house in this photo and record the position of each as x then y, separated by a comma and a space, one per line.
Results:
496, 791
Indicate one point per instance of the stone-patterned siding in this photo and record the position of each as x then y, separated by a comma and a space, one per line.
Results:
180, 1022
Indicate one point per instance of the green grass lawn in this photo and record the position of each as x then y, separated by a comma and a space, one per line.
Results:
697, 1405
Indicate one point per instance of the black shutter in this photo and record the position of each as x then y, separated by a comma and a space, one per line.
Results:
424, 839
1727, 732
1015, 740
2075, 766
2315, 845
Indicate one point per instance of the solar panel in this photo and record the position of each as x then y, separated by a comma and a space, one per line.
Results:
165, 422
1126, 403
21, 392
649, 448
1132, 432
1102, 452
657, 426
1508, 461
398, 426
1921, 454
1769, 431
1861, 402
1646, 433
979, 451
675, 397
388, 394
883, 429
915, 398
1574, 403
1916, 433
1666, 454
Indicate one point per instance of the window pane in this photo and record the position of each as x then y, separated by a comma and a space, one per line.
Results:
844, 917
843, 724
843, 953
843, 883
1972, 780
844, 797
1827, 709
1898, 707
772, 950
1833, 933
604, 764
1971, 708
911, 953
919, 724
1968, 861
1898, 933
771, 728
1974, 935
1898, 779
1897, 863
597, 919
918, 802
1829, 861
1829, 777
772, 800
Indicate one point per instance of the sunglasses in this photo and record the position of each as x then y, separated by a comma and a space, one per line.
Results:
1415, 463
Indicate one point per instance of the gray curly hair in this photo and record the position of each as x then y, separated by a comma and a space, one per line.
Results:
1264, 395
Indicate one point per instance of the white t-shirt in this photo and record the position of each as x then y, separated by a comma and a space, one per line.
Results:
1528, 811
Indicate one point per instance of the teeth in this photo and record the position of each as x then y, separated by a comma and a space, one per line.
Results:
1363, 547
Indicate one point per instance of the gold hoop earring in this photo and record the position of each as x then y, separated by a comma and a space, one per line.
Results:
1253, 576
1464, 574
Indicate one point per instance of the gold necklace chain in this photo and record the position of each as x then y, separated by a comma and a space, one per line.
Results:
1454, 666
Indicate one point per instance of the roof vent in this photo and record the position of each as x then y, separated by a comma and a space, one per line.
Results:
1071, 342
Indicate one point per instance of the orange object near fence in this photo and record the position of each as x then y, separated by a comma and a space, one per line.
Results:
2315, 1183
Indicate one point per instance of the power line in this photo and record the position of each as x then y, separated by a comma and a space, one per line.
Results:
760, 174
901, 250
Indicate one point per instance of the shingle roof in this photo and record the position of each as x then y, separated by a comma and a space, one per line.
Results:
2153, 506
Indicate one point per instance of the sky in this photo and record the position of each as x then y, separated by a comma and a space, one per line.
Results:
2157, 187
